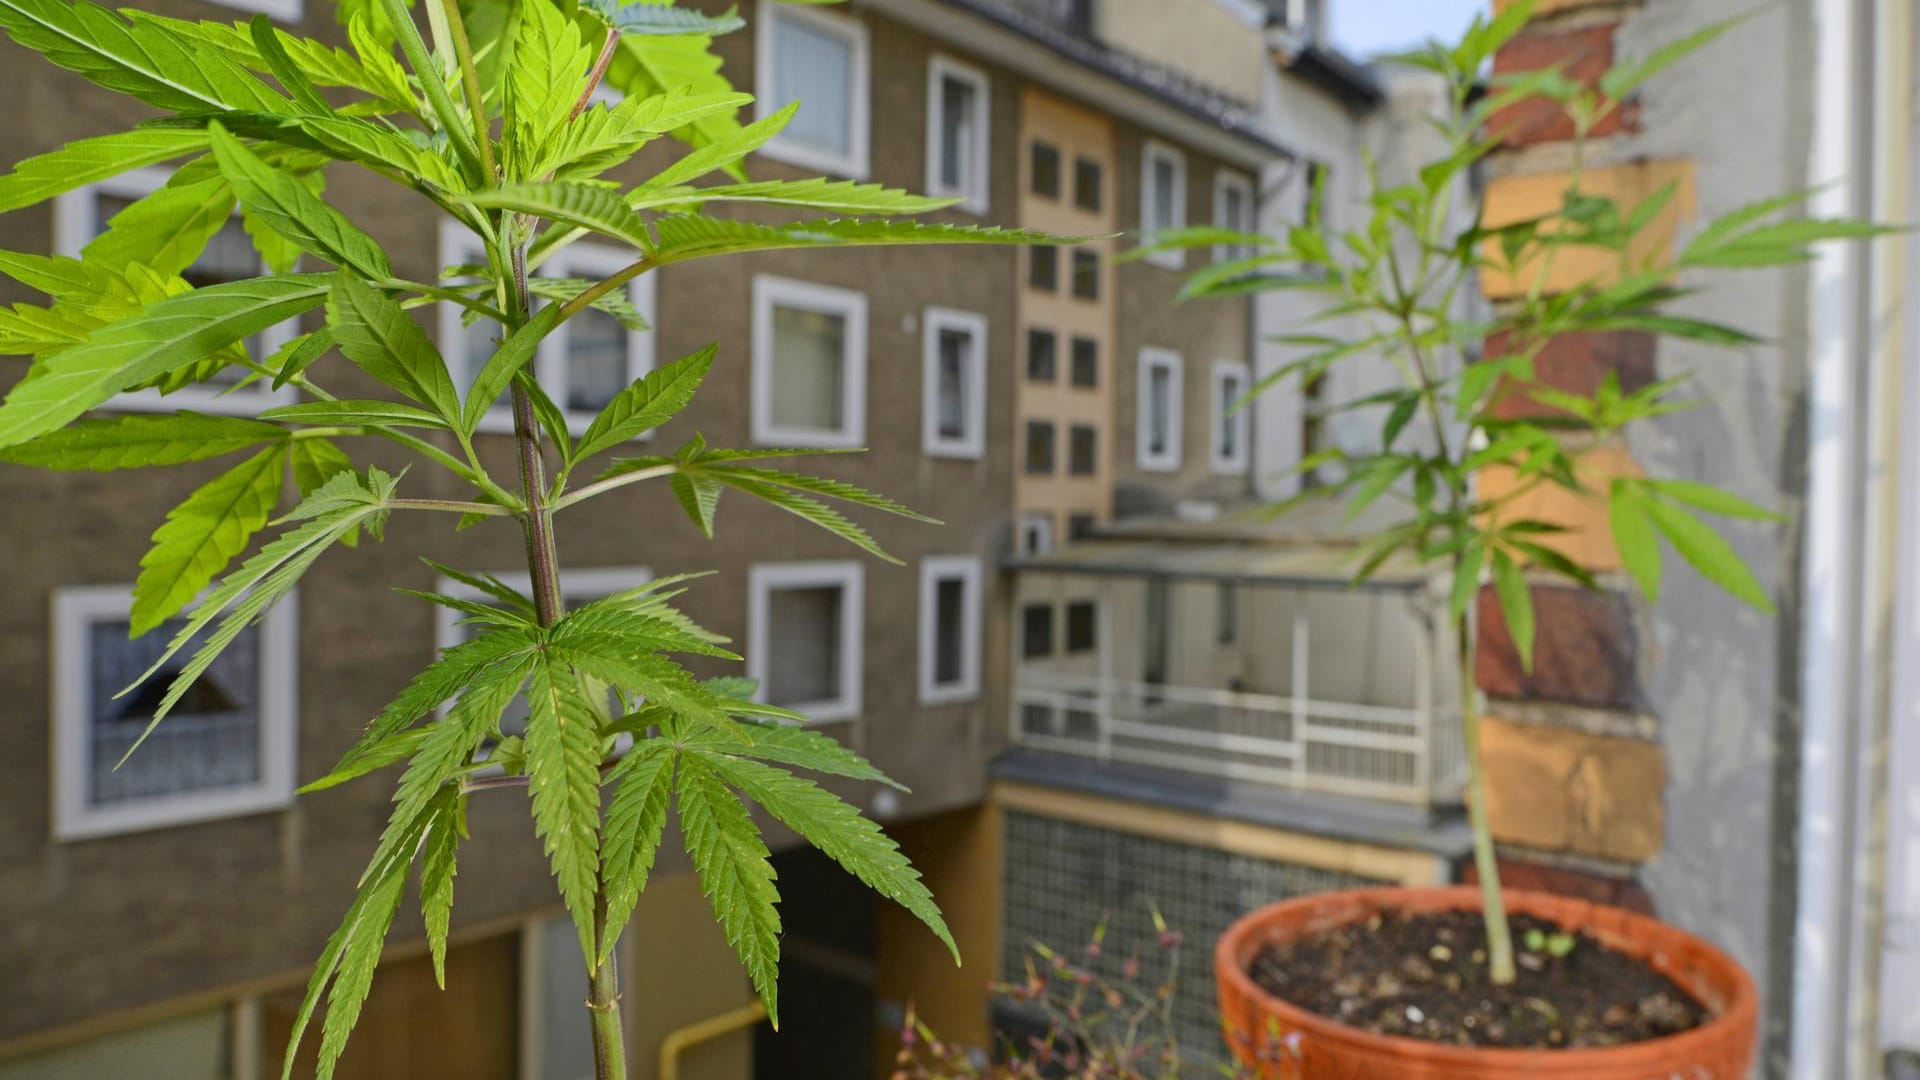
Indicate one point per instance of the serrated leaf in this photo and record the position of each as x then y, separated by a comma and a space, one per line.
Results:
457, 669
446, 827
804, 507
651, 401
1516, 603
168, 335
833, 196
288, 207
563, 763
507, 361
375, 332
646, 17
395, 748
575, 204
681, 237
203, 534
142, 60
699, 496
141, 441
840, 832
1466, 581
796, 746
736, 873
1709, 553
167, 229
550, 63
87, 161
370, 412
636, 818
316, 461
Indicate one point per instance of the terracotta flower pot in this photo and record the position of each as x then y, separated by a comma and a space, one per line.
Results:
1314, 1047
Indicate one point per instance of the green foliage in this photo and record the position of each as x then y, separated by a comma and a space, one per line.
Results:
490, 118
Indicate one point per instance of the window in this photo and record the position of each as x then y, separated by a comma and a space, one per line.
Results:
1036, 631
955, 365
958, 141
1159, 410
1086, 362
1043, 269
1312, 192
804, 644
1226, 614
1231, 380
556, 1033
1089, 181
809, 364
583, 364
819, 59
1083, 450
1044, 180
1163, 199
1233, 210
949, 629
194, 1045
226, 749
1043, 363
1082, 618
1039, 447
1313, 425
81, 215
1086, 274
1080, 526
287, 11
1036, 534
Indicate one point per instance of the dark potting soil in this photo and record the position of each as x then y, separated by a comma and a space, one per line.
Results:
1425, 977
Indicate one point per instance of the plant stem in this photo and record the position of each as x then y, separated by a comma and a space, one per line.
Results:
609, 1042
1500, 966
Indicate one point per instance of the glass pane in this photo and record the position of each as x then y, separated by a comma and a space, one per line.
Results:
958, 120
1043, 269
803, 639
1039, 447
211, 740
1082, 618
1086, 362
1086, 274
1036, 631
1159, 414
1162, 204
949, 630
814, 67
184, 1048
1087, 182
809, 354
955, 345
566, 1032
596, 360
1046, 171
1041, 360
1084, 450
1229, 418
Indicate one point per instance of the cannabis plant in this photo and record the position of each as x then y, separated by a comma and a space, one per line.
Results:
494, 119
1403, 276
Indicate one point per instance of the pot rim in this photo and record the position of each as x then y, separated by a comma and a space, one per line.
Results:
1741, 1009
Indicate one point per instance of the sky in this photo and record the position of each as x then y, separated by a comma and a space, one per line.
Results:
1363, 27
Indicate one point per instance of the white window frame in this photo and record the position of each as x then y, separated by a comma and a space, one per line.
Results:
968, 570
1152, 358
770, 292
763, 579
287, 11
1040, 528
76, 221
973, 442
856, 164
974, 188
580, 259
1154, 151
1235, 463
1225, 181
75, 610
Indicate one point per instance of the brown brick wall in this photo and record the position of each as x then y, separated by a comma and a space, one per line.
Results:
1584, 53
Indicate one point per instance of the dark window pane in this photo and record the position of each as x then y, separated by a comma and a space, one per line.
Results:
1086, 274
1036, 630
959, 115
1039, 446
1083, 450
1043, 269
1086, 362
1042, 355
1226, 624
1046, 170
949, 621
1088, 180
1081, 619
955, 348
1080, 526
211, 740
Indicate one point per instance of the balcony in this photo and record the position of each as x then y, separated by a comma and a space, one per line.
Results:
1240, 661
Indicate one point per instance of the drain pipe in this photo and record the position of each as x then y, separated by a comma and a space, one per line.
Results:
683, 1039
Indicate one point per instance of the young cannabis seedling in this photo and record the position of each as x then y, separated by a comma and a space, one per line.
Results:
495, 124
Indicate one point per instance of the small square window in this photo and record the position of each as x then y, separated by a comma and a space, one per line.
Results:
1045, 177
820, 59
1036, 631
1081, 526
955, 374
1086, 362
1086, 274
1043, 269
1043, 347
949, 629
809, 364
804, 636
1089, 182
1083, 450
1082, 619
1040, 435
226, 749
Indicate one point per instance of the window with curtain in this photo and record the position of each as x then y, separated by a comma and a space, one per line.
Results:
803, 638
814, 66
809, 354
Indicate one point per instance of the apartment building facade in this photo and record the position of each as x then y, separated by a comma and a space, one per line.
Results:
158, 921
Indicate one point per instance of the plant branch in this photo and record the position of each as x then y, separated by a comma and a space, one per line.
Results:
603, 486
451, 506
1500, 965
599, 72
431, 84
470, 82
